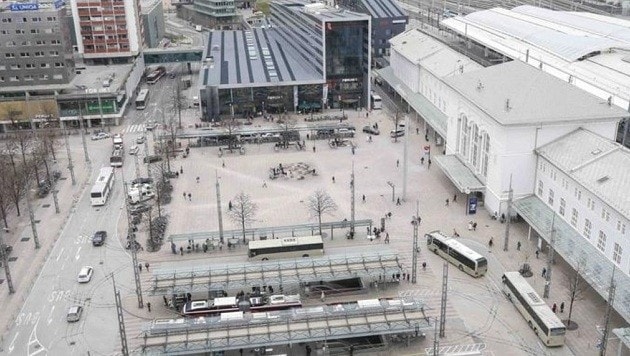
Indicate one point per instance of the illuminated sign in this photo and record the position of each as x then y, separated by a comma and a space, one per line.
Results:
24, 7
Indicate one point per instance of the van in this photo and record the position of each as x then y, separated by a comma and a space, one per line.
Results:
397, 133
195, 101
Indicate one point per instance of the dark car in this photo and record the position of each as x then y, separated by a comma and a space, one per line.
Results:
142, 181
139, 209
153, 158
371, 130
99, 238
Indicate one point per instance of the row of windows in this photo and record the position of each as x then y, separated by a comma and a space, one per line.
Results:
41, 77
577, 193
17, 66
474, 146
27, 19
588, 225
32, 31
31, 43
34, 54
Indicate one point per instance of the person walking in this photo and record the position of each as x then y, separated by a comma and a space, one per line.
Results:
333, 179
474, 226
446, 202
146, 265
554, 307
197, 180
181, 170
398, 201
184, 195
264, 184
149, 306
230, 205
429, 163
189, 197
323, 297
140, 267
454, 198
165, 301
537, 252
421, 160
364, 198
518, 246
387, 238
491, 242
181, 250
397, 163
562, 307
544, 272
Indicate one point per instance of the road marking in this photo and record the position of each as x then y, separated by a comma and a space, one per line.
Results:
50, 318
76, 256
12, 345
32, 340
60, 253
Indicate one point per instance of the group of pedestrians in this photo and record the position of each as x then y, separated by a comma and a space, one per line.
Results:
554, 308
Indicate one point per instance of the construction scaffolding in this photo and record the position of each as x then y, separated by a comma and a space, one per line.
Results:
404, 317
378, 265
270, 232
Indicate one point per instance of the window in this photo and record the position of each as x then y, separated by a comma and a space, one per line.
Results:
14, 78
28, 77
540, 188
54, 53
605, 214
40, 42
33, 30
3, 67
39, 53
591, 204
55, 42
7, 20
10, 43
58, 65
562, 206
24, 55
621, 227
587, 228
51, 18
15, 66
29, 66
617, 252
19, 32
49, 30
44, 65
44, 77
574, 217
577, 193
57, 76
601, 242
550, 199
9, 55
485, 154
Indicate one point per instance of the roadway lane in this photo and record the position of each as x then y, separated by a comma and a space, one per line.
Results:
41, 326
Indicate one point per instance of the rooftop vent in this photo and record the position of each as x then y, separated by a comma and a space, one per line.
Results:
479, 85
507, 105
603, 179
596, 151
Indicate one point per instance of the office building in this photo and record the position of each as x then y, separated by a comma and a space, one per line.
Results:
153, 22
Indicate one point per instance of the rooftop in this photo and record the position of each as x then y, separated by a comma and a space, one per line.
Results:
322, 11
515, 93
252, 58
431, 54
383, 8
600, 165
91, 79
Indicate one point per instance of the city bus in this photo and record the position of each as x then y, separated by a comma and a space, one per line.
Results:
102, 187
142, 99
156, 74
536, 312
286, 247
457, 253
377, 102
116, 160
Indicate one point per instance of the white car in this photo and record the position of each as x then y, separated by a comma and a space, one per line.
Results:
85, 275
74, 313
133, 150
100, 136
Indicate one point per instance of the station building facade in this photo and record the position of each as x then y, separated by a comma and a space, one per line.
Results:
312, 57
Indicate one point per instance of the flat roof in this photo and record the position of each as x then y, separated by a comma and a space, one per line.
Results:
383, 8
515, 93
431, 54
322, 11
91, 79
600, 165
253, 58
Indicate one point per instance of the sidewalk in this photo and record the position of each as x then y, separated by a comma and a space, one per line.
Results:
29, 261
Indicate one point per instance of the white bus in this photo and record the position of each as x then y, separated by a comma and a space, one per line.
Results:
103, 186
116, 160
457, 253
377, 102
286, 247
142, 99
539, 316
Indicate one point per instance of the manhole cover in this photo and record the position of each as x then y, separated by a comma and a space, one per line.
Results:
37, 221
12, 259
46, 205
63, 178
24, 239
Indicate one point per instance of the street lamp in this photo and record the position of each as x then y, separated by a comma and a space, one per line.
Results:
389, 182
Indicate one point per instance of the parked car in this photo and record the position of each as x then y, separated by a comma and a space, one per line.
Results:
134, 150
139, 209
43, 188
142, 181
171, 174
371, 130
74, 313
140, 140
150, 125
85, 275
99, 238
152, 158
100, 136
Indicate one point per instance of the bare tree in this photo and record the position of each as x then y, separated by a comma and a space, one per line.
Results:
396, 121
319, 203
243, 210
178, 102
575, 288
287, 124
232, 125
15, 180
5, 189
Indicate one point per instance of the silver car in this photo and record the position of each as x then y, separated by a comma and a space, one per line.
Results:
74, 313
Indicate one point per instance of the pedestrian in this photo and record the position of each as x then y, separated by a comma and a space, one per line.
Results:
470, 226
364, 198
455, 234
264, 184
518, 246
446, 202
474, 226
323, 297
165, 301
308, 347
537, 252
230, 205
429, 163
181, 250
181, 170
554, 307
333, 179
397, 163
387, 238
189, 197
424, 265
367, 114
421, 160
223, 164
352, 149
149, 306
562, 307
313, 148
544, 272
454, 198
146, 264
491, 242
140, 267
197, 180
417, 131
398, 201
368, 229
184, 195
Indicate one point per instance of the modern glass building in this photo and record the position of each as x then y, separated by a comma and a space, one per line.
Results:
312, 57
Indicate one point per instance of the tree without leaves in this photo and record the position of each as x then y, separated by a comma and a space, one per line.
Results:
232, 125
243, 210
396, 121
320, 203
287, 124
575, 288
178, 101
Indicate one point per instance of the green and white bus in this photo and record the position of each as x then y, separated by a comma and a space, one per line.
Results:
457, 253
286, 247
539, 316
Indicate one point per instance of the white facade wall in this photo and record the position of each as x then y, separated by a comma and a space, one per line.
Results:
405, 70
133, 25
598, 223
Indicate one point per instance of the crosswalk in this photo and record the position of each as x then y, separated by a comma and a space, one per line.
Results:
133, 128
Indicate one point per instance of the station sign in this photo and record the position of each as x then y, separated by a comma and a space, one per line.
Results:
24, 7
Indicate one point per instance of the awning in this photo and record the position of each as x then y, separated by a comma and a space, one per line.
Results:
579, 253
461, 176
429, 112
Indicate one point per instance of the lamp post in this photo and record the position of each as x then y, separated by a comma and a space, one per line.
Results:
389, 182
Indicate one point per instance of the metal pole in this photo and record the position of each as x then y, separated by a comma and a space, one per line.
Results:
85, 150
506, 237
414, 256
131, 236
219, 212
121, 320
100, 110
443, 302
5, 264
550, 258
609, 307
352, 201
405, 158
70, 165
